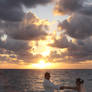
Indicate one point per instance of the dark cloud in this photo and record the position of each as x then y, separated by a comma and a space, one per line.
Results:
31, 32
16, 51
67, 6
14, 45
81, 52
62, 43
7, 56
15, 38
77, 50
86, 9
78, 26
31, 28
72, 6
79, 23
12, 10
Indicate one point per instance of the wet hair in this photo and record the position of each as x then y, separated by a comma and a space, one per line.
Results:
79, 80
46, 74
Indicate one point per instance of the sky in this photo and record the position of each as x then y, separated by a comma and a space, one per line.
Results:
45, 34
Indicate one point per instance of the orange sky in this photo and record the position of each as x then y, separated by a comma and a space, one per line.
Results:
52, 66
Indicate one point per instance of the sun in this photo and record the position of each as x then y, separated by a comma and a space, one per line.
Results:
42, 65
45, 53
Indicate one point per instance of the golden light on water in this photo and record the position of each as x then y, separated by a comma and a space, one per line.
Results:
42, 65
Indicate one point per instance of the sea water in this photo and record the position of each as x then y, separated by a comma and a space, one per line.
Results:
31, 80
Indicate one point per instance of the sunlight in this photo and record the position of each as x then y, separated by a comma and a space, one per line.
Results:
45, 53
42, 65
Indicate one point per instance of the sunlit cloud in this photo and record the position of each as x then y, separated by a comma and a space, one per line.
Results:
4, 37
40, 47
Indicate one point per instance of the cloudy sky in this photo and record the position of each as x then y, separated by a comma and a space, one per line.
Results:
57, 33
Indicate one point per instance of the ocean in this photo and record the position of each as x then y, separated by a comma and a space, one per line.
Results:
31, 80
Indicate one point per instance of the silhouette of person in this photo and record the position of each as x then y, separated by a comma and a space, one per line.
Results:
48, 85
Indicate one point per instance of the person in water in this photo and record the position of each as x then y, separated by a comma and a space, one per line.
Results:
80, 85
51, 87
48, 85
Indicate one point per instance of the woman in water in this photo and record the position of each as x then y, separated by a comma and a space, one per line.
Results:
80, 85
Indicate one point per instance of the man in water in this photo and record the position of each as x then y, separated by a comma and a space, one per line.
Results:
48, 85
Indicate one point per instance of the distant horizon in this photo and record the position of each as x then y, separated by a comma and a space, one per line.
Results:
41, 69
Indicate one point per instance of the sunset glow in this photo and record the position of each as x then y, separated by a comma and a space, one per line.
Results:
45, 53
42, 65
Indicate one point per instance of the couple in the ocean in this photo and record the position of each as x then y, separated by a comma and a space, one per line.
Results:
50, 87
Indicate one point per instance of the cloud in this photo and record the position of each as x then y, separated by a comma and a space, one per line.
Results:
64, 7
86, 9
17, 51
78, 26
13, 45
31, 28
16, 36
73, 51
67, 7
61, 43
11, 10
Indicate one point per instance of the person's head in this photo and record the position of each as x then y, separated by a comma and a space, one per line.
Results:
47, 75
79, 81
